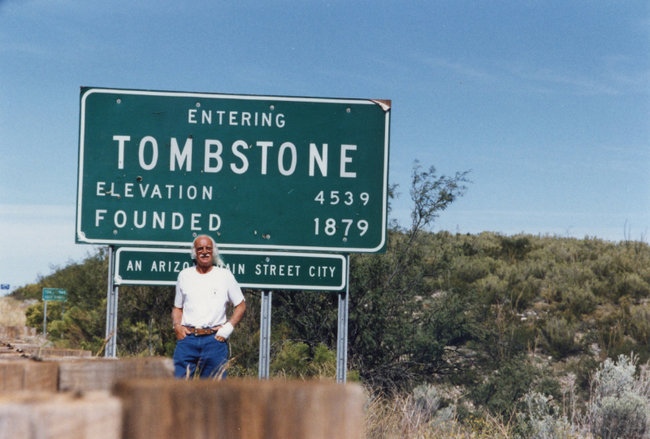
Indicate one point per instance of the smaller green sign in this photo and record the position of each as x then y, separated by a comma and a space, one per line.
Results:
252, 269
55, 294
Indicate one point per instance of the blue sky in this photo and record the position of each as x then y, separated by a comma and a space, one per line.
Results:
546, 103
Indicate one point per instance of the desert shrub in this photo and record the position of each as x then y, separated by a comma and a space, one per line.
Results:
541, 419
292, 360
323, 362
503, 389
609, 328
515, 247
579, 301
402, 417
559, 336
631, 284
139, 339
620, 403
522, 286
640, 324
410, 416
537, 268
491, 288
297, 359
468, 270
427, 400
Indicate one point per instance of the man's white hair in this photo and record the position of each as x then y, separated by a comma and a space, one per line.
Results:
216, 259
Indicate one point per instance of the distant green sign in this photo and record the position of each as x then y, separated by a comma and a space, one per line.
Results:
55, 294
252, 269
256, 172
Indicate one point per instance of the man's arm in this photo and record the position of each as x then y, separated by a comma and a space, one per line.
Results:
238, 313
224, 331
177, 318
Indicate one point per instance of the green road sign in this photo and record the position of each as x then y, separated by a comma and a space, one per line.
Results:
55, 294
252, 269
255, 172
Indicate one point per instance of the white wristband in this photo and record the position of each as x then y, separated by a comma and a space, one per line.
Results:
225, 330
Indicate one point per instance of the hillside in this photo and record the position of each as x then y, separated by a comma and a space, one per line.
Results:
485, 319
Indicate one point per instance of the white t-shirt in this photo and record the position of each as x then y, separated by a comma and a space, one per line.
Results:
203, 297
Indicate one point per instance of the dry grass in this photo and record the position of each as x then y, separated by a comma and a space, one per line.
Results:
12, 312
399, 419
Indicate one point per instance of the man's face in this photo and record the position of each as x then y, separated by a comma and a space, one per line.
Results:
203, 247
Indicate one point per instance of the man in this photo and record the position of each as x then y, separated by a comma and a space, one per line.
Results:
199, 313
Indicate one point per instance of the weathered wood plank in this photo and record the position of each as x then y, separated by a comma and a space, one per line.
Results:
28, 375
102, 373
39, 415
237, 409
16, 332
55, 352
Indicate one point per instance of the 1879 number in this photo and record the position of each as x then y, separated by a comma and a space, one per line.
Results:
330, 226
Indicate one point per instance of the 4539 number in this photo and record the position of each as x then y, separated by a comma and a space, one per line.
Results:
335, 197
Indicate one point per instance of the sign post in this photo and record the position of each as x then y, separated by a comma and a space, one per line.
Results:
265, 335
110, 339
342, 333
52, 294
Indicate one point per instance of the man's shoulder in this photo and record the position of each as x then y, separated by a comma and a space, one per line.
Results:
188, 271
218, 270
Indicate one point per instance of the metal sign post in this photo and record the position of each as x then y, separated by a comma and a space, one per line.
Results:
52, 294
342, 336
265, 335
45, 318
110, 350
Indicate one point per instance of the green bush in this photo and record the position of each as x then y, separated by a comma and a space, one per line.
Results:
502, 390
296, 359
292, 360
323, 362
515, 247
631, 284
579, 301
640, 325
559, 336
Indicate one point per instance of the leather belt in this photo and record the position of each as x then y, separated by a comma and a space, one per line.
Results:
202, 331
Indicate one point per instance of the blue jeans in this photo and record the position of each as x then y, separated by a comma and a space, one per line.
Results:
203, 352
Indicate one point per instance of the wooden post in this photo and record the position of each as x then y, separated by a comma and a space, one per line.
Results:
28, 375
240, 409
102, 373
36, 415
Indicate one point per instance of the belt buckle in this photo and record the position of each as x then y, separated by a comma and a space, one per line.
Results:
201, 331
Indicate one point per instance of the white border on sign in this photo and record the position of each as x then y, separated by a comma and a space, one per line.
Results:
82, 237
119, 281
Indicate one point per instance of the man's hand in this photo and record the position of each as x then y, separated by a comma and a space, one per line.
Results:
177, 317
181, 331
224, 331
